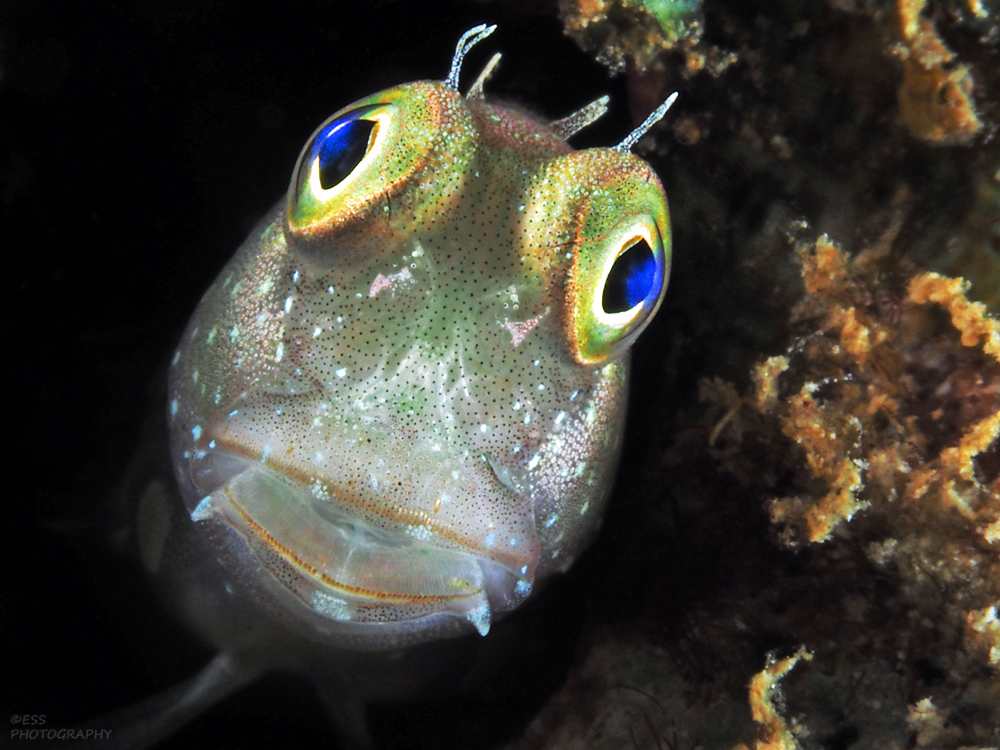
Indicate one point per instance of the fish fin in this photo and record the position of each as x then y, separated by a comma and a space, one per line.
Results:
145, 723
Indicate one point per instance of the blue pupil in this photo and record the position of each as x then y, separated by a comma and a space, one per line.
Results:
341, 146
631, 278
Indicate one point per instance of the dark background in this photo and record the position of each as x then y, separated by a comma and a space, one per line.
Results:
139, 143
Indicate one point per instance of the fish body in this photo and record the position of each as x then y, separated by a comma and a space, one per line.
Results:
400, 406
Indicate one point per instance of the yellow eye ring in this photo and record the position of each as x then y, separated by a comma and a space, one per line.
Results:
618, 283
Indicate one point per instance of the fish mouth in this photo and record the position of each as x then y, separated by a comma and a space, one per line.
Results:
345, 568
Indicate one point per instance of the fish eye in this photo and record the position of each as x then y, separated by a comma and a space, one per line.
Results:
337, 153
617, 287
630, 277
398, 142
340, 147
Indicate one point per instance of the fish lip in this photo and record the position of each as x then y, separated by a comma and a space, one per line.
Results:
294, 545
219, 446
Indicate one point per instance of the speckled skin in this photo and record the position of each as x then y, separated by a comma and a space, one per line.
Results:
400, 407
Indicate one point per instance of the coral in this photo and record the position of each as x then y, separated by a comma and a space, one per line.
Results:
935, 97
968, 317
895, 411
983, 633
638, 31
893, 386
776, 734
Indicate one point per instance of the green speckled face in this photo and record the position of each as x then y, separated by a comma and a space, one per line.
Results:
401, 404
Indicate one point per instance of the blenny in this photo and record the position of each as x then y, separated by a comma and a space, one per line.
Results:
400, 406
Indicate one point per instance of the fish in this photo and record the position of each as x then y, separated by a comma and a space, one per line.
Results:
399, 409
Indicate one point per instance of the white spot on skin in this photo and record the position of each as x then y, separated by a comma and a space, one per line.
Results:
196, 432
204, 509
279, 352
173, 408
421, 533
332, 606
234, 334
266, 453
341, 372
518, 330
480, 618
534, 461
382, 283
